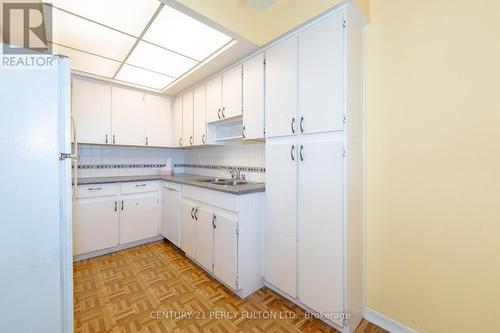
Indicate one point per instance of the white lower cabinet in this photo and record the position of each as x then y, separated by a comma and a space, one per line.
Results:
109, 215
188, 228
225, 256
139, 217
95, 224
171, 213
204, 219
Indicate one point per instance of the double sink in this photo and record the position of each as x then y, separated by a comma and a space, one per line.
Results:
223, 181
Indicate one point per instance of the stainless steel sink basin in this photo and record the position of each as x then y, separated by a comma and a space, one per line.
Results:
230, 182
211, 180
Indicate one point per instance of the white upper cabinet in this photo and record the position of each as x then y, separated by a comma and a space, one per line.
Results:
214, 99
128, 117
200, 119
321, 76
187, 119
231, 93
157, 121
281, 89
253, 98
91, 107
177, 122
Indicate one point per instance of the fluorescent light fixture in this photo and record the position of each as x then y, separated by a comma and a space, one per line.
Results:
212, 56
78, 33
129, 16
88, 63
183, 34
157, 59
143, 77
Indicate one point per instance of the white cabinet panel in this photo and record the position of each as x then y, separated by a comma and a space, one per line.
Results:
231, 93
253, 98
226, 249
128, 116
91, 107
95, 224
204, 237
214, 99
177, 122
281, 227
321, 76
171, 215
187, 119
281, 88
139, 217
321, 213
188, 229
200, 119
157, 121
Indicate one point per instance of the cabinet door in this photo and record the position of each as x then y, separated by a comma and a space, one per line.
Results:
204, 237
128, 116
321, 188
200, 119
321, 76
95, 225
91, 107
171, 215
188, 229
157, 121
226, 249
281, 227
281, 88
214, 99
177, 122
253, 98
187, 119
231, 93
139, 218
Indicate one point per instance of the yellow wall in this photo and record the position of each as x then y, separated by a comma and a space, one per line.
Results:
262, 27
433, 163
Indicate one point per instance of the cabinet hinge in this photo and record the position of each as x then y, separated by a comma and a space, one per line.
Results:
237, 283
345, 23
344, 119
264, 62
237, 230
344, 153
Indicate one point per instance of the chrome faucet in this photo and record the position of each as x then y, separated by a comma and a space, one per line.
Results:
236, 174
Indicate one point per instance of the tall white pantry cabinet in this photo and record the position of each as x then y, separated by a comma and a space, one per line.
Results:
314, 168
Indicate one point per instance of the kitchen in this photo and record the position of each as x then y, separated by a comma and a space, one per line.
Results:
198, 166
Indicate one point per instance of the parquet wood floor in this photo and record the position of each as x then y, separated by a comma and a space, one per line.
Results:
154, 288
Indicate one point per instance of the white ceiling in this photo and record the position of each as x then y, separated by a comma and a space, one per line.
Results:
139, 42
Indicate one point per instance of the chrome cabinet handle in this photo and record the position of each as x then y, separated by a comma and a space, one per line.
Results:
191, 140
192, 211
106, 138
196, 214
223, 115
213, 221
293, 125
291, 153
302, 124
146, 141
140, 185
116, 206
243, 131
95, 188
122, 204
218, 113
203, 138
300, 153
180, 142
114, 141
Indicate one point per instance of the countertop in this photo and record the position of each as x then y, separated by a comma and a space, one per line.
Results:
182, 178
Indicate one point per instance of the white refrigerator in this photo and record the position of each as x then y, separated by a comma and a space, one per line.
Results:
36, 293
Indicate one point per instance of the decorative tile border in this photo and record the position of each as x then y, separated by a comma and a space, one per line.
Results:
182, 165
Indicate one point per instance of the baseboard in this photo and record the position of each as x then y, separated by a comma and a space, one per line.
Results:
116, 248
386, 323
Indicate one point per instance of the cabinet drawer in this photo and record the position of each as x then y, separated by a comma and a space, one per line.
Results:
139, 187
97, 190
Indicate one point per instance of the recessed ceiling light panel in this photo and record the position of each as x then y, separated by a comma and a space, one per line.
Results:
143, 77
